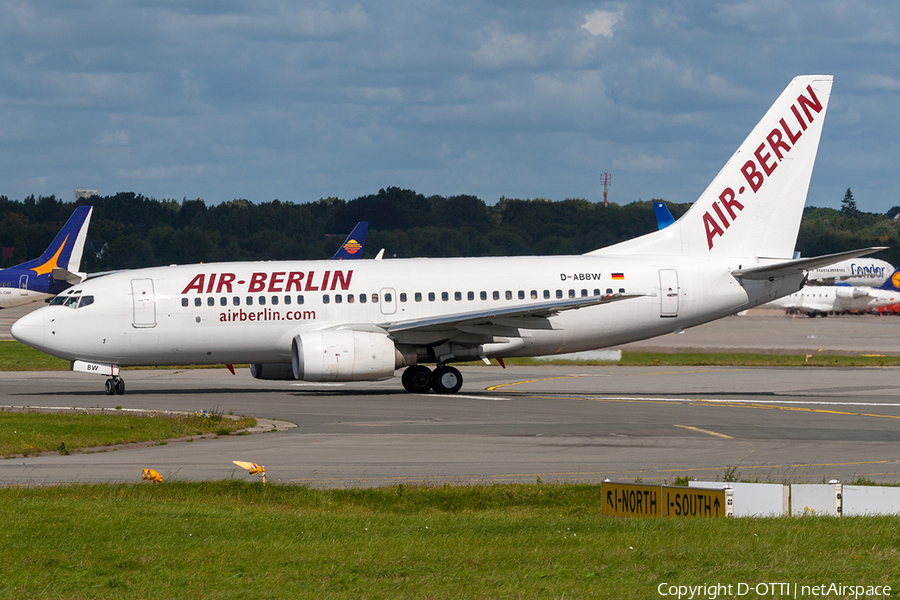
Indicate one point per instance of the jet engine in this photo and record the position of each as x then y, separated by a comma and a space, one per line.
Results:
848, 292
347, 355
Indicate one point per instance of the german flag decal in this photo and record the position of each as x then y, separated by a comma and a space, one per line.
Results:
618, 276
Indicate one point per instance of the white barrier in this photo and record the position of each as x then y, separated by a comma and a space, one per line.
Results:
817, 499
870, 500
753, 499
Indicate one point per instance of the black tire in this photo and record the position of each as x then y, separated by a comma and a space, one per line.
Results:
120, 386
110, 387
416, 379
446, 380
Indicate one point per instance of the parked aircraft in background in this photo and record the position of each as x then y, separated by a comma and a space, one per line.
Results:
815, 300
318, 321
352, 248
56, 269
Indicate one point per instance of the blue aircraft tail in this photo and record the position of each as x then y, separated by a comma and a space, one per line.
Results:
352, 248
663, 216
65, 250
892, 283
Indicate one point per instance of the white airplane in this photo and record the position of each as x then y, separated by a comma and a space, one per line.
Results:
815, 300
869, 272
54, 271
327, 321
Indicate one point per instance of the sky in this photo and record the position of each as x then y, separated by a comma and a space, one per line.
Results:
296, 101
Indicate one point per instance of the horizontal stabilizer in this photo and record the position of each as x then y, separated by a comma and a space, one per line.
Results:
60, 274
792, 267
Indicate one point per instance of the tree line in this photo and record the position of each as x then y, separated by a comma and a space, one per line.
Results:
129, 230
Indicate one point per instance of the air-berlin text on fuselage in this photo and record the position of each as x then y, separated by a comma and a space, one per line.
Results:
277, 281
766, 157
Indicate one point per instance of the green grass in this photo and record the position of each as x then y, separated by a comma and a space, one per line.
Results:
689, 359
243, 540
28, 433
15, 356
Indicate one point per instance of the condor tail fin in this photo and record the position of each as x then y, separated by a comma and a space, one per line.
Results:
753, 206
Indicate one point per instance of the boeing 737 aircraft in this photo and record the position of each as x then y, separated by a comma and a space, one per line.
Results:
321, 321
55, 270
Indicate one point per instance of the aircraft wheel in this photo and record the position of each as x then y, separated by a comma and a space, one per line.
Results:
120, 386
110, 387
416, 379
446, 380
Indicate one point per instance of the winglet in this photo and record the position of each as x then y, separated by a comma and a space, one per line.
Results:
663, 216
352, 248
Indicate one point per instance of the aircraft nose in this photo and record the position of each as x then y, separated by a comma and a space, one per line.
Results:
30, 329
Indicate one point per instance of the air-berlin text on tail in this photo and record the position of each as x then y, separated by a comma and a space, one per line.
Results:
766, 157
278, 281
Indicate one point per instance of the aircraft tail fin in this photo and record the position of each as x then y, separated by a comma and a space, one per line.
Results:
66, 249
892, 283
664, 217
753, 206
353, 246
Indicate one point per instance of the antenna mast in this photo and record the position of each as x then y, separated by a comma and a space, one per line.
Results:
606, 178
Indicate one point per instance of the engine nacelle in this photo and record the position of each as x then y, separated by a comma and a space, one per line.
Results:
347, 355
849, 292
272, 371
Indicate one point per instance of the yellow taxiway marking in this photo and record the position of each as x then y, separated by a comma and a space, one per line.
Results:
706, 431
502, 385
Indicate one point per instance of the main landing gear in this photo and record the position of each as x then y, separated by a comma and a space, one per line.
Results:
418, 379
115, 385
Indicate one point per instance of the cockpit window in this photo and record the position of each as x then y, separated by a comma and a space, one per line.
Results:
86, 301
57, 301
71, 302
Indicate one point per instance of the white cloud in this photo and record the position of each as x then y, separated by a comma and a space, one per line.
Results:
601, 22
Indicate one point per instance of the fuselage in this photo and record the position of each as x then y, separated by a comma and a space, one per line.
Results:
835, 298
22, 286
248, 312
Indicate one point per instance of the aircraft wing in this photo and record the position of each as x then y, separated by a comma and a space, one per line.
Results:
792, 267
502, 321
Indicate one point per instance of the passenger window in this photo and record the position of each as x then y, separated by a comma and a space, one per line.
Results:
338, 298
521, 294
559, 293
249, 300
457, 296
546, 294
326, 298
184, 301
534, 294
388, 297
274, 300
375, 298
287, 299
418, 296
402, 296
496, 295
300, 299
363, 298
431, 296
508, 295
86, 301
210, 301
262, 300
483, 295
223, 301
470, 296
596, 292
350, 298
197, 302
609, 291
571, 293
445, 296
236, 300
584, 293
621, 290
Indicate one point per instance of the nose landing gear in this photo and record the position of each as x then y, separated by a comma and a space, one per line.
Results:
115, 385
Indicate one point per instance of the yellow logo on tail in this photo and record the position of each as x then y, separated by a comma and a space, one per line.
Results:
51, 264
352, 246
